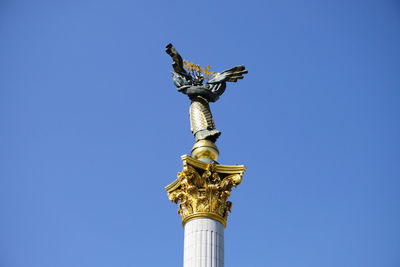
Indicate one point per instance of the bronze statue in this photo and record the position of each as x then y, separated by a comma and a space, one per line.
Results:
201, 121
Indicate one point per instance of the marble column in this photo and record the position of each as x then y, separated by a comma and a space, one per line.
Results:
203, 243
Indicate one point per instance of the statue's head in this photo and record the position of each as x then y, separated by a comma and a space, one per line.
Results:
198, 80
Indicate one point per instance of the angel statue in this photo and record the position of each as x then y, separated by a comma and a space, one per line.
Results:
191, 84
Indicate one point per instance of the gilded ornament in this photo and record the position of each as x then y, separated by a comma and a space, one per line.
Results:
203, 189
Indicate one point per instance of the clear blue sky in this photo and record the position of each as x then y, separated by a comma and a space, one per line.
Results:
92, 129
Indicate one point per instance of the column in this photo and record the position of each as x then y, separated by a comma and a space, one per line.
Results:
204, 243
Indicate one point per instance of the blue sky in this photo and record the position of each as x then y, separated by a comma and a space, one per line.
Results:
92, 129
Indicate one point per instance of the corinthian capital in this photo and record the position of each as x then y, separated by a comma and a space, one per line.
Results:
202, 189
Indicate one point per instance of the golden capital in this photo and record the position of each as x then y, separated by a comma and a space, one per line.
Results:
203, 189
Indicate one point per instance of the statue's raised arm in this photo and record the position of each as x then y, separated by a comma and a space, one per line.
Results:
190, 82
177, 65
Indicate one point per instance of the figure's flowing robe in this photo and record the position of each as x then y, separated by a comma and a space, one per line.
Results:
201, 121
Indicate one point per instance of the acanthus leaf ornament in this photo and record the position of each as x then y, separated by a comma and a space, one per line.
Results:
203, 189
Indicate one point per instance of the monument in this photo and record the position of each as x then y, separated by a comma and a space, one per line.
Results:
203, 186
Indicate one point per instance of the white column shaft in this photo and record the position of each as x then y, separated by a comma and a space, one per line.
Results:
204, 243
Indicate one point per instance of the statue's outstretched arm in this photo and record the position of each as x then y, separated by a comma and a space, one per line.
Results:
231, 75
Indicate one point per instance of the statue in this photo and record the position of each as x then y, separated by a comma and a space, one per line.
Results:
191, 84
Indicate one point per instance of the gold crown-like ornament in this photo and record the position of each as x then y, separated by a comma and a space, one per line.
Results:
203, 189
